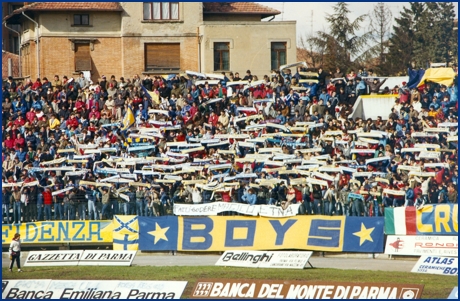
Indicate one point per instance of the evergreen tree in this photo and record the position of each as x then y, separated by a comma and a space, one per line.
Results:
423, 34
446, 39
401, 45
342, 43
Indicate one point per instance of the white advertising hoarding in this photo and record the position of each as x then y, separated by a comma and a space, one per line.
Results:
80, 257
419, 245
261, 259
436, 265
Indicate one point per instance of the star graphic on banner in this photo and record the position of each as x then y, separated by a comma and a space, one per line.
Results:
159, 233
364, 234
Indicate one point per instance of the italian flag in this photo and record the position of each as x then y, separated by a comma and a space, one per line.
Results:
400, 221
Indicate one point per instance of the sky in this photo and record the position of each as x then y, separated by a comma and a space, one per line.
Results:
301, 12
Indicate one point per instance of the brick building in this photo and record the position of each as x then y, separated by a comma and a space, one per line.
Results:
127, 38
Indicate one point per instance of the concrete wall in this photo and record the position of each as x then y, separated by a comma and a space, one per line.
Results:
250, 44
102, 24
231, 18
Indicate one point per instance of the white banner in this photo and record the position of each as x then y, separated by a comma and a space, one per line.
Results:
418, 245
219, 207
30, 289
53, 258
108, 289
107, 257
80, 257
430, 155
260, 259
436, 265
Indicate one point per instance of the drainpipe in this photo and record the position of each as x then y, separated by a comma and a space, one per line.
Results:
200, 38
19, 36
38, 43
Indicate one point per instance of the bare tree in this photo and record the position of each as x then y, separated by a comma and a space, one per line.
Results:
311, 52
380, 25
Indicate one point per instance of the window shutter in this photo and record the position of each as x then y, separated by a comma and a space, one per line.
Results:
162, 56
82, 57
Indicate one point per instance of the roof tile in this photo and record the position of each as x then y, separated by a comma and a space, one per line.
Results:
238, 8
75, 6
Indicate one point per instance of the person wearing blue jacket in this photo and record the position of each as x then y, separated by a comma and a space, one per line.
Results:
250, 197
21, 154
409, 196
360, 87
91, 194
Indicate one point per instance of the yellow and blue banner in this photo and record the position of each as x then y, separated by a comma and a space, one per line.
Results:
128, 119
125, 232
220, 233
60, 232
439, 219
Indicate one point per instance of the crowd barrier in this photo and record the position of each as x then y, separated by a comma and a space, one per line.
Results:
220, 233
214, 233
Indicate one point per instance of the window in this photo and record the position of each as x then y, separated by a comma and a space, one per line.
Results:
221, 56
82, 57
278, 54
161, 10
162, 56
81, 19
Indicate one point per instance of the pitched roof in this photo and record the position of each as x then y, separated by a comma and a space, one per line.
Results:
72, 6
238, 8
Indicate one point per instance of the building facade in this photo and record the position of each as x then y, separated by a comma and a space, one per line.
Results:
127, 38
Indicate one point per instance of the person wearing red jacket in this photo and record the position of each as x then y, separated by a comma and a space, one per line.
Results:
73, 122
19, 122
213, 119
47, 201
439, 174
193, 109
79, 105
91, 102
9, 141
30, 116
19, 142
37, 84
94, 113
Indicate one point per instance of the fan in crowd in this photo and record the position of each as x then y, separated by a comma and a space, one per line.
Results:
75, 150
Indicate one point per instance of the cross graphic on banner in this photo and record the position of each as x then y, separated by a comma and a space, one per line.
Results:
126, 225
125, 241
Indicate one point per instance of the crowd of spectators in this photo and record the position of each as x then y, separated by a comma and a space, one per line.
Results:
263, 136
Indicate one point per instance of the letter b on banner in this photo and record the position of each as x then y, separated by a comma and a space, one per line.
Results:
197, 233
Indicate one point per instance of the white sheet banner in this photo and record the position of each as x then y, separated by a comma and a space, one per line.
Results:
25, 289
418, 245
107, 257
219, 207
439, 265
115, 289
80, 257
53, 258
260, 259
